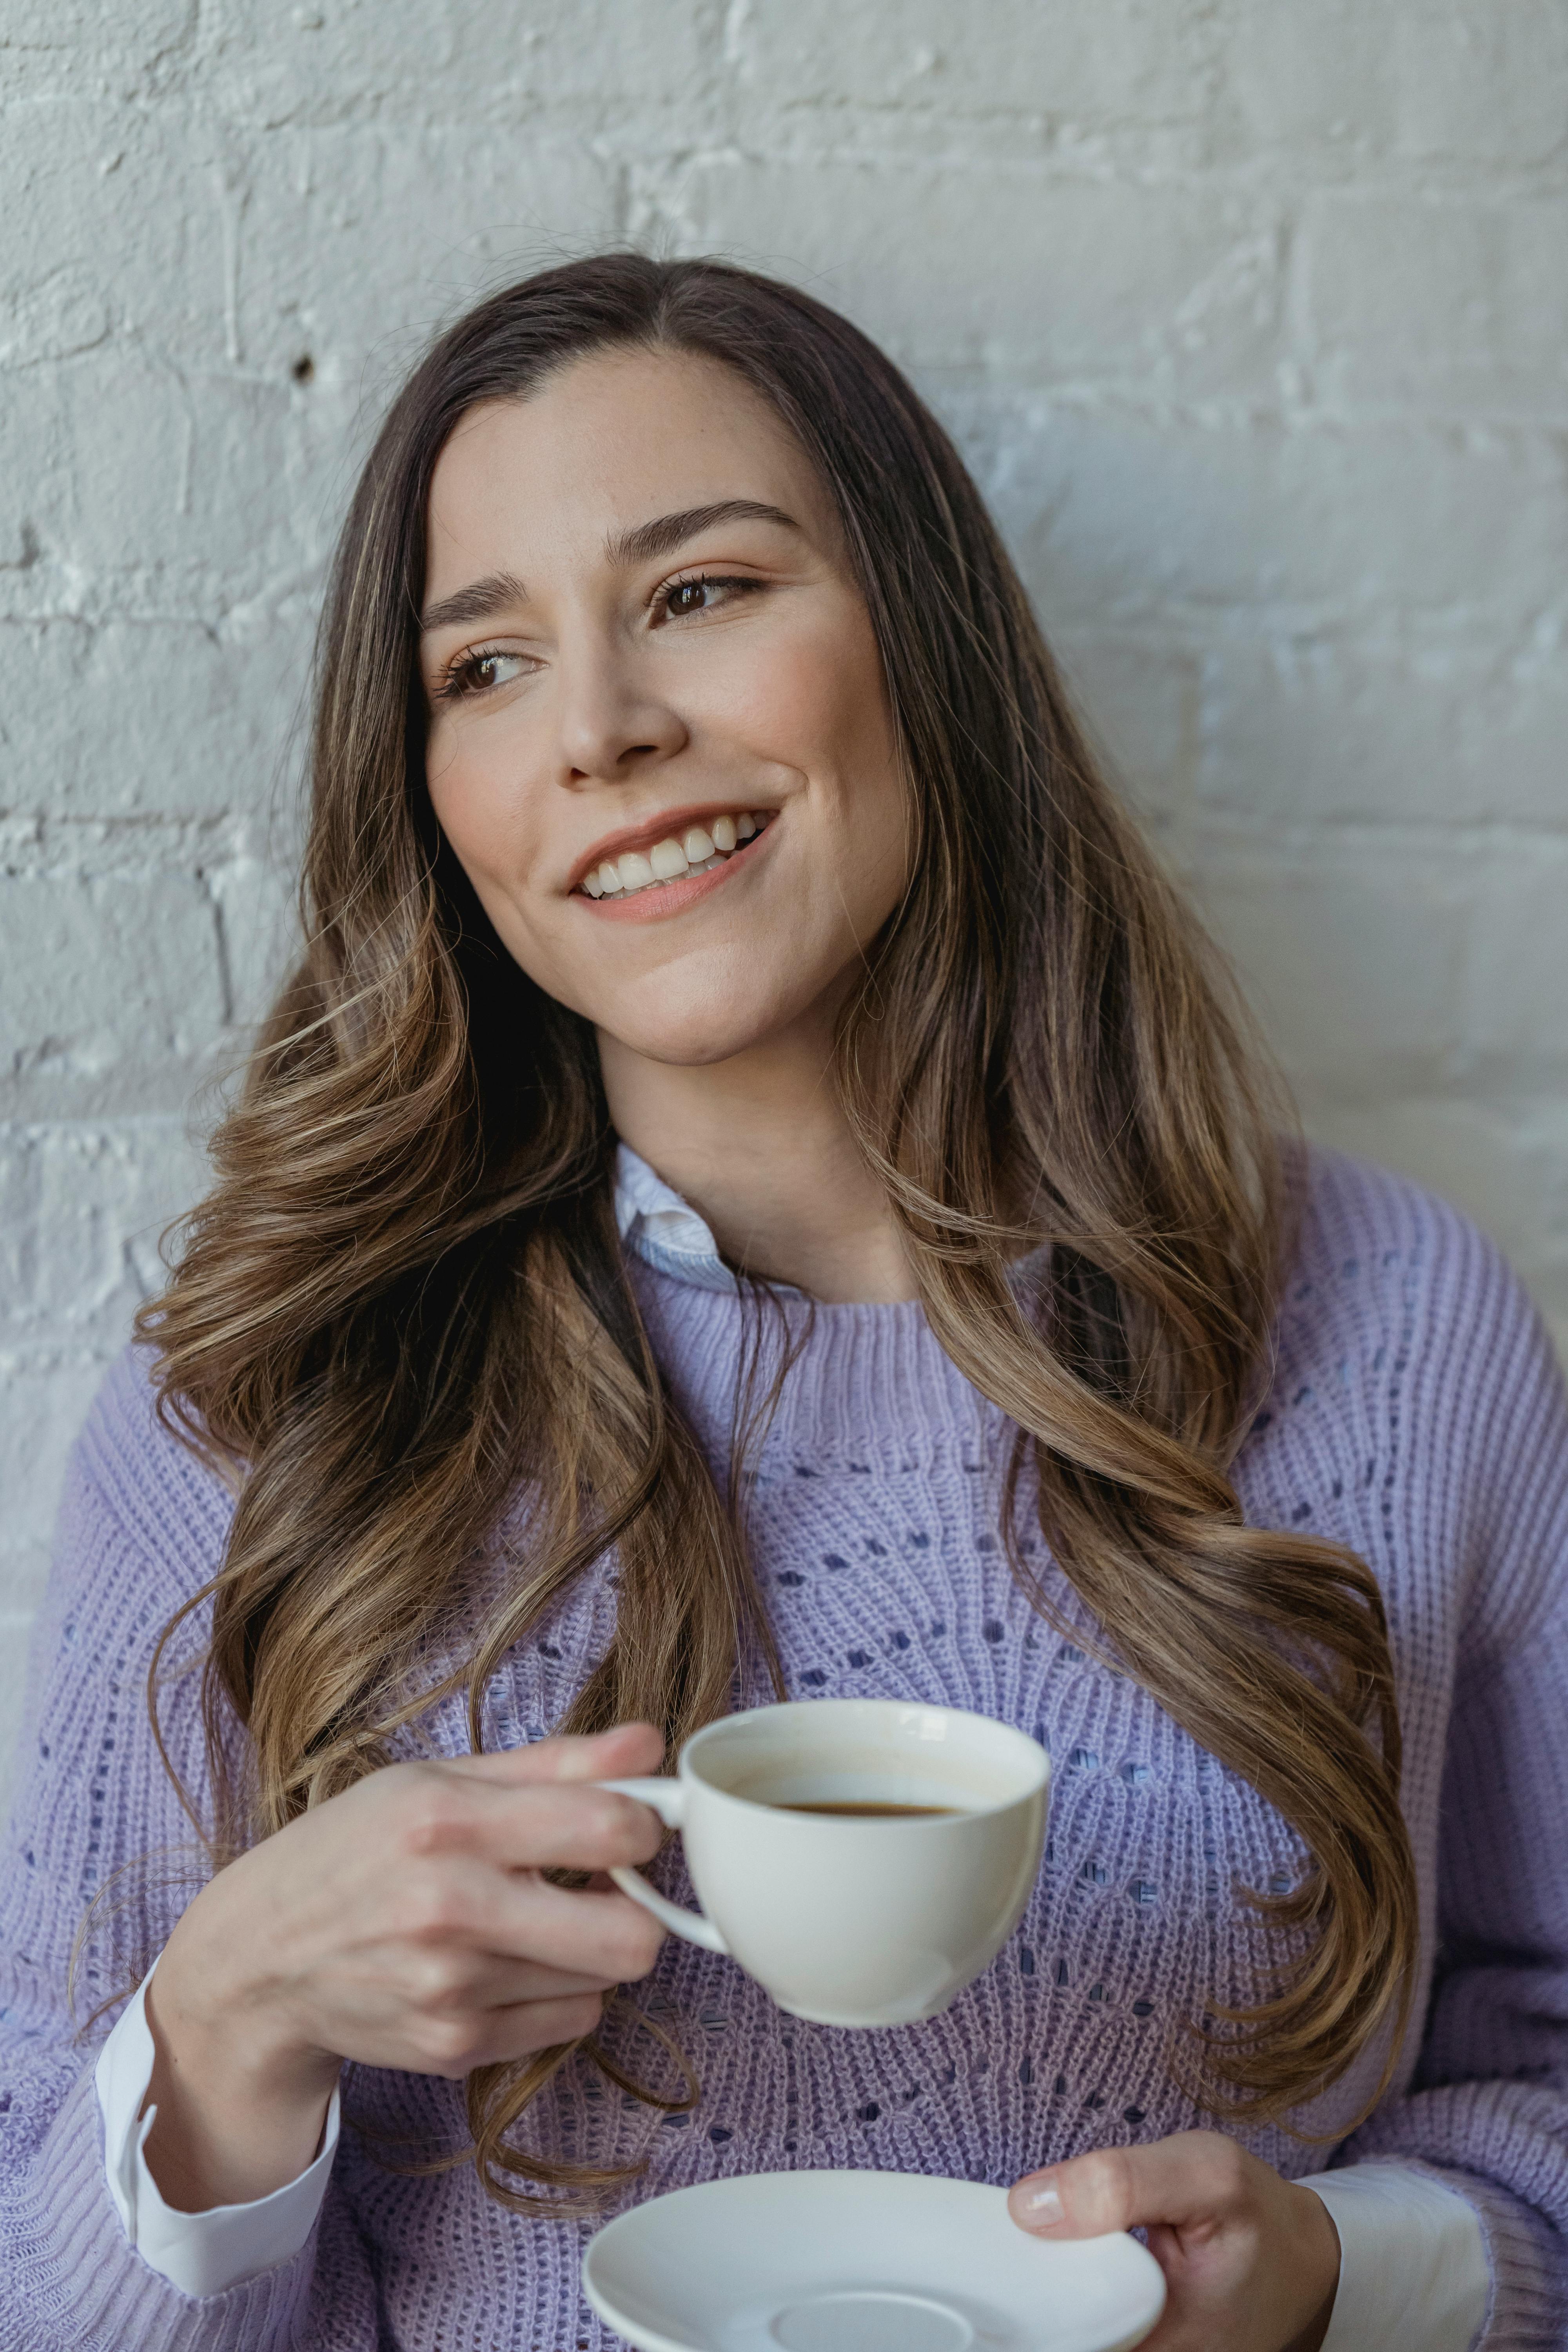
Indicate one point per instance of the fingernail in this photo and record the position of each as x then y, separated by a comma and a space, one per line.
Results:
1040, 2207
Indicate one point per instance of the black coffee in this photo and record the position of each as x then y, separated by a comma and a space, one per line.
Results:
873, 1813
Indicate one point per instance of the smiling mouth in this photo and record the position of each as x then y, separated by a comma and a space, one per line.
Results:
695, 849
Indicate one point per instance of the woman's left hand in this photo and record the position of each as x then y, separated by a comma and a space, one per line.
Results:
1251, 2262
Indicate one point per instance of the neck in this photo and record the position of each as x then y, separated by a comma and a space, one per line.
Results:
761, 1148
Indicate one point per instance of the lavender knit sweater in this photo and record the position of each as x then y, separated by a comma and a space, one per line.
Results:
1416, 1414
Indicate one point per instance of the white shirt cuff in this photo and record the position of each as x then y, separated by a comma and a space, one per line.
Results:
1413, 2275
200, 2254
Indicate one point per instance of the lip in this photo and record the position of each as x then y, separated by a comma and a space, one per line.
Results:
654, 828
652, 905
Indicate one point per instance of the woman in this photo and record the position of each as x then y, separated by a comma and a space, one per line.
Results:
693, 794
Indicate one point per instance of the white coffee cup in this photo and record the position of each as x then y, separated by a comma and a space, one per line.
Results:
853, 1919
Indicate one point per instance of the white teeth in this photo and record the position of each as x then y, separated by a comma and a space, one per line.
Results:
699, 849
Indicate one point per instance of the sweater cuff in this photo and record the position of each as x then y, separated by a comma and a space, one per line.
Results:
1412, 2261
1526, 2309
200, 2253
104, 2297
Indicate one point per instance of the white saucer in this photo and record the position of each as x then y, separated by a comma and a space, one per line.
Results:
861, 2262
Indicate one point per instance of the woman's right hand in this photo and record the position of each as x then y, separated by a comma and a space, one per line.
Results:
403, 1924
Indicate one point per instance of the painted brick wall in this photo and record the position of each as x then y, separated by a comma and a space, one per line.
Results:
1251, 314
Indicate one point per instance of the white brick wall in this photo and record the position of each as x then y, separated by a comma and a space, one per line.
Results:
1252, 315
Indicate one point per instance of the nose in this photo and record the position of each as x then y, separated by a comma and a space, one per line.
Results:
614, 722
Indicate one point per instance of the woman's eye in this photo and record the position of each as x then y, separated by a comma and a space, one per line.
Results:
688, 596
479, 673
702, 595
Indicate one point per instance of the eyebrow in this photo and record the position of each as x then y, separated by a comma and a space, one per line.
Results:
481, 600
649, 541
500, 592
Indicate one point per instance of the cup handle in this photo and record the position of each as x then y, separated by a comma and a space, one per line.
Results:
667, 1800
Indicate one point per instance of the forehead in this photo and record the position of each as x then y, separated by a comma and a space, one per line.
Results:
604, 443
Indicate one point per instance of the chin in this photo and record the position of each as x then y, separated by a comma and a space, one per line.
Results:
694, 1035
692, 1044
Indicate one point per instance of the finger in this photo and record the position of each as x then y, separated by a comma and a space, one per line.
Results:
518, 1919
493, 1980
628, 1751
574, 1929
532, 2025
550, 1825
454, 2046
1190, 2177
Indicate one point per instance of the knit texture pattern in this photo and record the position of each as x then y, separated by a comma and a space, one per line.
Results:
1416, 1414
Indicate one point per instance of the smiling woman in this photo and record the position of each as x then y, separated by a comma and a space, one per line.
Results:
756, 1186
650, 670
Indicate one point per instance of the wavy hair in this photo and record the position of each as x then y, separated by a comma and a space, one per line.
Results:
404, 1304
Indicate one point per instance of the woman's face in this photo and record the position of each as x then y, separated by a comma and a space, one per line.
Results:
645, 657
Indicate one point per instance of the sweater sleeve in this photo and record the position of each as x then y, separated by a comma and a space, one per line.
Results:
1487, 2109
94, 1815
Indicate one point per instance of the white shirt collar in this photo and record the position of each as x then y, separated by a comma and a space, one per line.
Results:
663, 1229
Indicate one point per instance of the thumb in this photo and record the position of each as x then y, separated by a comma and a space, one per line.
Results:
627, 1752
1175, 2180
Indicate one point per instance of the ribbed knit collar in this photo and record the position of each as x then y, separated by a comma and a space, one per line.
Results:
870, 1384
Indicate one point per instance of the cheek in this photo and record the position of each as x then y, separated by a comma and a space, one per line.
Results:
472, 779
819, 704
492, 824
868, 809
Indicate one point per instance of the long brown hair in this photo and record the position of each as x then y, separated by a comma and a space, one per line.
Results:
404, 1304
